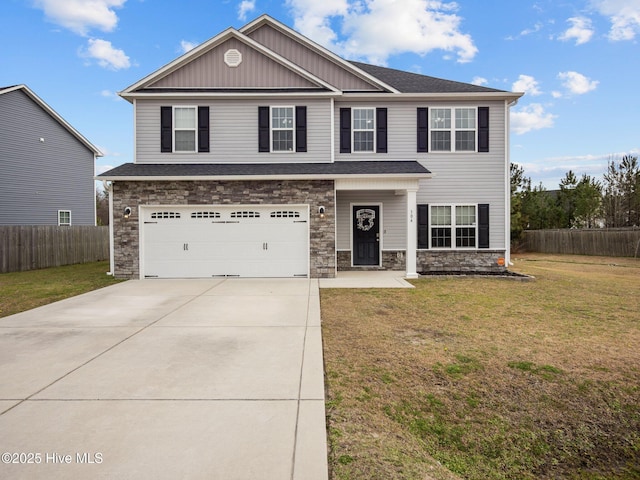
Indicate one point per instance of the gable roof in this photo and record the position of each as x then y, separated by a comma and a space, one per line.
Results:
209, 45
407, 82
54, 114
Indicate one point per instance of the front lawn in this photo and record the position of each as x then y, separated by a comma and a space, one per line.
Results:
20, 291
490, 378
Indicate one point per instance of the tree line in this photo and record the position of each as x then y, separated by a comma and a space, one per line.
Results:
583, 202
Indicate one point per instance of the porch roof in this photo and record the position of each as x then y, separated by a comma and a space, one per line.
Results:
268, 171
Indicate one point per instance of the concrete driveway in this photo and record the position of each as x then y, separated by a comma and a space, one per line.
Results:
216, 379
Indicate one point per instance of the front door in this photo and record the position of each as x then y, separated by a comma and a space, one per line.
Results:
366, 235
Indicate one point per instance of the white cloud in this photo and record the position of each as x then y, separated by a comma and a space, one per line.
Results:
526, 84
530, 117
111, 95
376, 29
479, 81
80, 16
246, 6
106, 55
186, 45
624, 16
581, 30
576, 83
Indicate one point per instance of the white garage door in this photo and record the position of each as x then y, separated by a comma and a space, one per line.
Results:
240, 241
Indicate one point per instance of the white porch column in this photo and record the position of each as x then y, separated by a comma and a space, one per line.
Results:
412, 233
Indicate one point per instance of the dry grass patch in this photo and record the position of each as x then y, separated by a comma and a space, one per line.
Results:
491, 378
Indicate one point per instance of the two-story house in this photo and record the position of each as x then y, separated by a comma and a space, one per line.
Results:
260, 153
47, 167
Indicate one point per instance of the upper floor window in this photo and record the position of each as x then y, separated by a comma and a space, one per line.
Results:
453, 129
282, 128
184, 130
64, 218
364, 128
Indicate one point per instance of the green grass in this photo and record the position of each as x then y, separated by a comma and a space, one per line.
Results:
483, 378
20, 291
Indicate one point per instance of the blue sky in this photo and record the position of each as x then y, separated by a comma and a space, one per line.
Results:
578, 62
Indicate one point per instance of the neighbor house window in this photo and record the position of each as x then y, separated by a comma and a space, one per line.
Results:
64, 218
185, 126
364, 128
282, 128
453, 129
453, 226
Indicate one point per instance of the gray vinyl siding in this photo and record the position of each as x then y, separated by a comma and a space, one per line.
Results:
393, 211
255, 71
39, 178
468, 178
311, 61
233, 132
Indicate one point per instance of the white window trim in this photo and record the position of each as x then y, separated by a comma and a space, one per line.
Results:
175, 129
64, 224
354, 130
453, 225
453, 129
272, 129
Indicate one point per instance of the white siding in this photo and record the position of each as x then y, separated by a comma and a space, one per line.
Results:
233, 132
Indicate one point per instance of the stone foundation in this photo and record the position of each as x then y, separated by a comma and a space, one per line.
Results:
391, 260
312, 192
460, 261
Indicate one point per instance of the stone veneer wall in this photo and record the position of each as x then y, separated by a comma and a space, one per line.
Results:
391, 260
433, 261
460, 261
312, 192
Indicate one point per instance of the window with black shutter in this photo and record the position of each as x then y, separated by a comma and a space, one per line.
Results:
423, 226
483, 225
423, 130
184, 129
483, 129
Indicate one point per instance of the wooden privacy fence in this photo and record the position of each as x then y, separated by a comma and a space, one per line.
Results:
42, 246
613, 242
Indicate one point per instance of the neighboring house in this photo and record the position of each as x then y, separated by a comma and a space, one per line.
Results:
46, 165
260, 153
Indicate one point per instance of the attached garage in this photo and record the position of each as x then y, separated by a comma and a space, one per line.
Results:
204, 241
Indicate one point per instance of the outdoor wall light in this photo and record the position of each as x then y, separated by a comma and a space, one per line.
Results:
127, 212
321, 211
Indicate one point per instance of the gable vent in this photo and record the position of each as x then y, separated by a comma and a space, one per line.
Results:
157, 215
232, 57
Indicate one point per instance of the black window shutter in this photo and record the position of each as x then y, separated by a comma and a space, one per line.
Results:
483, 225
345, 130
166, 129
423, 129
263, 129
381, 130
301, 129
203, 129
483, 129
423, 226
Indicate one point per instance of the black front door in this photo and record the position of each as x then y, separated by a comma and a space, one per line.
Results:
366, 235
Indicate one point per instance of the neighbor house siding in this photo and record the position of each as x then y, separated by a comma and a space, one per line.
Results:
38, 178
233, 132
255, 71
311, 61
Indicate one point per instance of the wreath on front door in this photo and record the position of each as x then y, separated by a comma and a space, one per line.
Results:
365, 219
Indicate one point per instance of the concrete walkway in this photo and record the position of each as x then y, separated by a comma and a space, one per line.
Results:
164, 379
367, 279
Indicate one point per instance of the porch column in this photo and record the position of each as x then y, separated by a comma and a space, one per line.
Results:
412, 233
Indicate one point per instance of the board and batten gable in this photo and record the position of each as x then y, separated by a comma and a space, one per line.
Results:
39, 177
233, 132
311, 61
256, 70
458, 178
